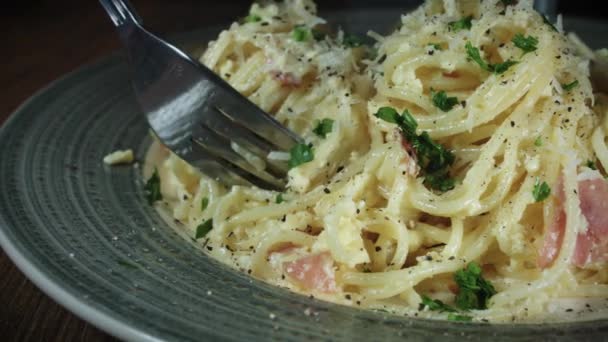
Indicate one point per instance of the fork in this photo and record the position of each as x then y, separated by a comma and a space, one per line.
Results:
195, 113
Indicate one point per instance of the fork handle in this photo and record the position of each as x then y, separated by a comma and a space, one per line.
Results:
121, 12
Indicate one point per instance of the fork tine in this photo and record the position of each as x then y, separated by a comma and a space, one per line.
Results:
221, 148
222, 124
241, 109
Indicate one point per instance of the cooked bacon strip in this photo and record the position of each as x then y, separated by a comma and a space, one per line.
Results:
591, 245
313, 272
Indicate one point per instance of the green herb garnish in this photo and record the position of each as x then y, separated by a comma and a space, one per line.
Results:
539, 141
152, 188
474, 290
204, 203
462, 24
279, 199
442, 101
433, 158
323, 127
435, 305
352, 41
508, 2
498, 68
570, 86
527, 44
300, 154
546, 21
541, 190
435, 46
203, 229
253, 18
300, 33
590, 164
459, 318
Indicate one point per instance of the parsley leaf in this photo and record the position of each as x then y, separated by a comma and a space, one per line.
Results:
462, 24
300, 33
540, 191
499, 68
474, 290
252, 18
435, 305
508, 2
570, 86
204, 203
546, 21
527, 44
279, 199
442, 101
352, 41
539, 141
323, 127
459, 318
203, 229
590, 164
473, 54
435, 46
152, 188
433, 158
300, 154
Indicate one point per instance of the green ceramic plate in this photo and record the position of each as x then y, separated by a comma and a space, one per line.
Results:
83, 233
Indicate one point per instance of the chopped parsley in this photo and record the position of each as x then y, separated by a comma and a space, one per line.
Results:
203, 229
462, 24
352, 41
526, 44
204, 203
279, 199
539, 141
435, 305
459, 318
300, 33
498, 68
300, 154
323, 127
442, 101
435, 46
546, 21
474, 291
433, 159
473, 294
590, 164
253, 18
541, 190
570, 86
508, 2
152, 188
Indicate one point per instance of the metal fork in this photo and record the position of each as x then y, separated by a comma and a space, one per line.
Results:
195, 113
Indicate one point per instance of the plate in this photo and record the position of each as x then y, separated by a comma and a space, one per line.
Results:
83, 233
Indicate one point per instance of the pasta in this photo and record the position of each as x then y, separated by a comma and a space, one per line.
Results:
467, 143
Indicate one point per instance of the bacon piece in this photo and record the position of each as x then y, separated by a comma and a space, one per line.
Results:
411, 160
313, 272
287, 79
591, 245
